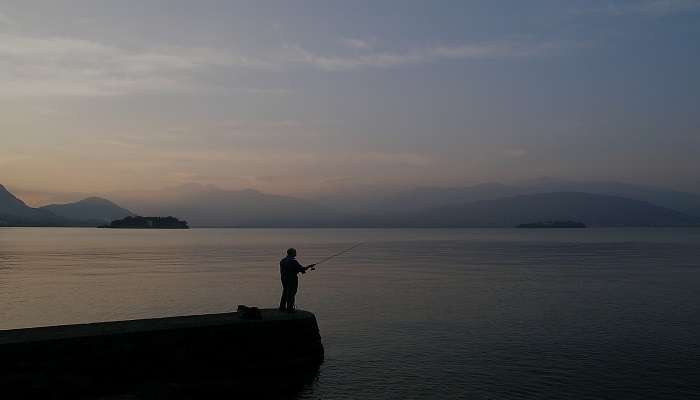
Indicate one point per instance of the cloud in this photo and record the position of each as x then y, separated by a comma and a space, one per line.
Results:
664, 7
78, 85
480, 51
59, 66
263, 91
62, 66
649, 8
11, 158
375, 158
515, 152
355, 43
5, 20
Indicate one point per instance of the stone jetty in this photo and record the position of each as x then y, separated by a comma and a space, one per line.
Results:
103, 355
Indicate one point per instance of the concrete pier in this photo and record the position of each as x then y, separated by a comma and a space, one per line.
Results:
175, 349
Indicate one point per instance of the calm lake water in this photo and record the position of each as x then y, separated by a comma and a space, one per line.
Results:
411, 314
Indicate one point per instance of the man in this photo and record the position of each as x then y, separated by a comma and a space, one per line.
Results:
289, 268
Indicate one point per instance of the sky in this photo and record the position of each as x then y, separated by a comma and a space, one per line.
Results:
304, 97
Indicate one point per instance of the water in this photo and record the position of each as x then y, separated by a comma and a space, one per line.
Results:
413, 314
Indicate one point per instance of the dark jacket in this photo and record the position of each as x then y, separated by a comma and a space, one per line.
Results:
290, 267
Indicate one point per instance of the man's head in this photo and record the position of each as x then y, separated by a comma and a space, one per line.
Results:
292, 252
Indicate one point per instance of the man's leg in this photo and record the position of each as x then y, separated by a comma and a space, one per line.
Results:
291, 293
285, 296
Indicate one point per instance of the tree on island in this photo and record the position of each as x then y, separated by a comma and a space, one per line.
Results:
148, 223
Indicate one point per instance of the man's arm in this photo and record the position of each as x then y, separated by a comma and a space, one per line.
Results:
302, 268
299, 267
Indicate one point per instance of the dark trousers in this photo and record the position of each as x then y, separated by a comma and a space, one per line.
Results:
289, 290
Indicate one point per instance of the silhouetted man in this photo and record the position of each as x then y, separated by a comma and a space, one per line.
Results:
289, 268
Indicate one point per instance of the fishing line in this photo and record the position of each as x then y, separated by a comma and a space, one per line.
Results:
338, 254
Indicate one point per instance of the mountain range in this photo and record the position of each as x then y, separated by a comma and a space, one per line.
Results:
14, 212
434, 197
210, 206
591, 209
484, 205
91, 211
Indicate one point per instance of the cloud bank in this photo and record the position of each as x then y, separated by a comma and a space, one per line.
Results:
63, 66
649, 8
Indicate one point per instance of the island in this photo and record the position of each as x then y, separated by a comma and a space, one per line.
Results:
147, 223
553, 224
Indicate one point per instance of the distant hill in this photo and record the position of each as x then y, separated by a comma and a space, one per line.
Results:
9, 204
210, 206
433, 197
387, 200
88, 212
685, 202
14, 212
92, 208
591, 209
426, 197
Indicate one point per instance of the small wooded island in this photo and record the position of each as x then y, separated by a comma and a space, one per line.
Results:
147, 223
553, 224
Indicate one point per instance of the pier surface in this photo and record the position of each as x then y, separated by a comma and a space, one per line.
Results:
171, 349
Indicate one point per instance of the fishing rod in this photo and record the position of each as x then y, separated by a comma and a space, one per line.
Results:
336, 255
